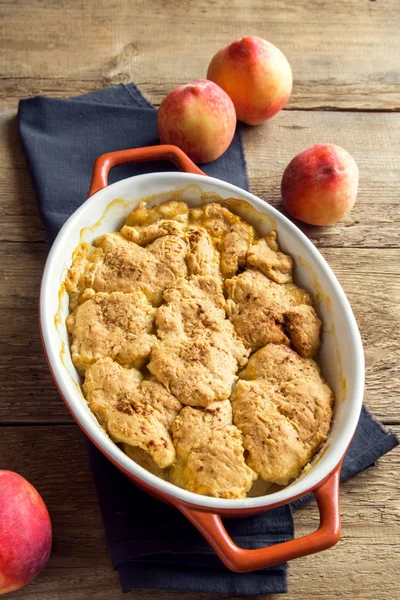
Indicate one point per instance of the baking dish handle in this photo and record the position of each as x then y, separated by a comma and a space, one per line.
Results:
242, 560
105, 162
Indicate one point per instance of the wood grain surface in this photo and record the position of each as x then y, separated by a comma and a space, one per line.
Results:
345, 59
344, 54
364, 565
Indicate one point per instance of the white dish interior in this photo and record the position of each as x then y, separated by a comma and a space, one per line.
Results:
341, 354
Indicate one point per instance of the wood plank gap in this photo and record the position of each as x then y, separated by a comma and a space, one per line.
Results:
6, 241
37, 424
354, 109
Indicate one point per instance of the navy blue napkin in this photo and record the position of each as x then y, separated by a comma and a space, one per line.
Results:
152, 545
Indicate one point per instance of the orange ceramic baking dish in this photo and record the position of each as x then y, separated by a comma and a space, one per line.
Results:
341, 354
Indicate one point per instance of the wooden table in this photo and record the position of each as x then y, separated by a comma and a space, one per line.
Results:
345, 59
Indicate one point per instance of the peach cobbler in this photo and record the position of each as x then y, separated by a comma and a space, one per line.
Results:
196, 349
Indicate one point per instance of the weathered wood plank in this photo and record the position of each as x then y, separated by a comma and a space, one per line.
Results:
46, 47
364, 565
370, 278
373, 140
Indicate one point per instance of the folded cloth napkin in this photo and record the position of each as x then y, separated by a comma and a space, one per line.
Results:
151, 544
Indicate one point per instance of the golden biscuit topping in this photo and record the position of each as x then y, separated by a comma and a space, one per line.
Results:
165, 315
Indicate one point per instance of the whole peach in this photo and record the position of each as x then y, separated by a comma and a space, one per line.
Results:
256, 75
25, 532
319, 185
200, 118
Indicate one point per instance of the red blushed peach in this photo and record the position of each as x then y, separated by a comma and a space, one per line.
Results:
200, 118
319, 186
256, 75
25, 532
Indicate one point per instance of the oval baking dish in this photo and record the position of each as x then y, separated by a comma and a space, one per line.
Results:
341, 354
